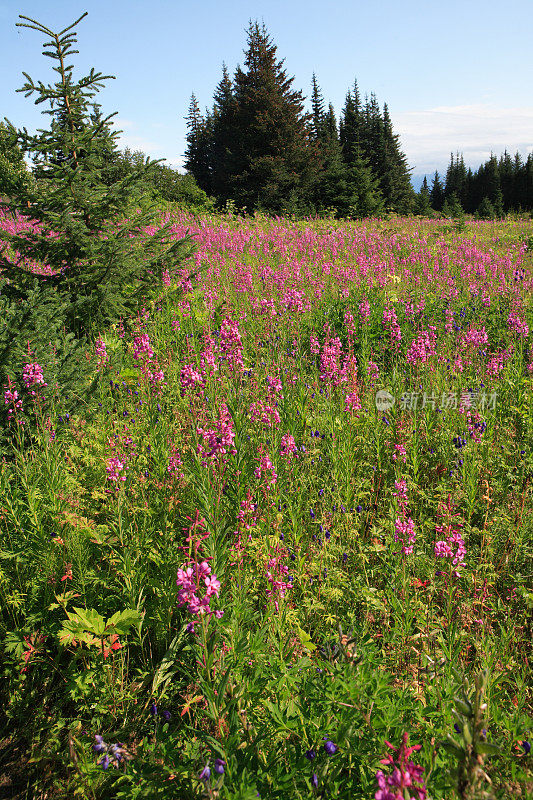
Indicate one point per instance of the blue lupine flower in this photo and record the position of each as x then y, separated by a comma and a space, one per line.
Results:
330, 748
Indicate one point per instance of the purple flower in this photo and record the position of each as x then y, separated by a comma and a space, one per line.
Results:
205, 774
104, 761
314, 780
330, 748
166, 715
100, 745
219, 766
527, 747
153, 710
310, 754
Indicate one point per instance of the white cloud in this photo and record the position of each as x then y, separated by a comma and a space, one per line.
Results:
428, 137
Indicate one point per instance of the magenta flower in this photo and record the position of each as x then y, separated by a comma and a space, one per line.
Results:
405, 774
32, 375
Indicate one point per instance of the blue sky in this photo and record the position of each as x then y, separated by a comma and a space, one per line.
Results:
456, 75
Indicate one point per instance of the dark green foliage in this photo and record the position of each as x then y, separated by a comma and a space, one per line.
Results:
259, 149
486, 209
272, 158
394, 170
456, 178
161, 183
198, 153
423, 200
97, 270
452, 207
98, 264
13, 170
254, 147
437, 193
506, 183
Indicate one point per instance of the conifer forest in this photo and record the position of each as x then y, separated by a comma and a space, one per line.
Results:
266, 475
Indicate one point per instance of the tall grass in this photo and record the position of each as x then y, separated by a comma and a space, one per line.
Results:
356, 574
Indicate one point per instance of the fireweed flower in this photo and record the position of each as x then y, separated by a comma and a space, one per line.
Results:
404, 532
32, 376
115, 469
405, 774
142, 346
101, 352
190, 580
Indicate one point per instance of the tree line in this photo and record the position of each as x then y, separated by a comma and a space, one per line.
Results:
258, 147
497, 187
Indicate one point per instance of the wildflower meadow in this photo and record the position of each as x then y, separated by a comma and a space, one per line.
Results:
282, 548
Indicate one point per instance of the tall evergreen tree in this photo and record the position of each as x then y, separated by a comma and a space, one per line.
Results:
351, 127
436, 194
317, 104
274, 167
456, 178
331, 186
198, 152
224, 135
423, 200
97, 271
362, 196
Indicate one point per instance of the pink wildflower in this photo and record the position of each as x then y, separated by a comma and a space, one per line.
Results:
32, 375
404, 532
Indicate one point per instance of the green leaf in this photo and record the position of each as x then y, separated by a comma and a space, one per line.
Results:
487, 748
89, 619
122, 621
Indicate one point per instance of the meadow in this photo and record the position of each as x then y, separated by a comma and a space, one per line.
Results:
284, 548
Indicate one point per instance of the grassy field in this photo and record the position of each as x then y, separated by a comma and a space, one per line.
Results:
289, 537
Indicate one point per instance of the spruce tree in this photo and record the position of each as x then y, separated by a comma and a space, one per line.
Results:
97, 263
423, 200
436, 194
199, 142
362, 196
274, 165
224, 135
331, 186
317, 104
